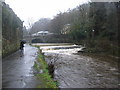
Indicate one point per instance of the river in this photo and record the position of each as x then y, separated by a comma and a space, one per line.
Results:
73, 70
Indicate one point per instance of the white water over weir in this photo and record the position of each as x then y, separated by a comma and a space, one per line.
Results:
66, 49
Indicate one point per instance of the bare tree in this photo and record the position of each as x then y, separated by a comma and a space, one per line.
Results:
30, 23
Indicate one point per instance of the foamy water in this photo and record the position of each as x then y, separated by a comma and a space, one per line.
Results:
67, 49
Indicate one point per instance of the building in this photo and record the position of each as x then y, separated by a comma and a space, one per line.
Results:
42, 33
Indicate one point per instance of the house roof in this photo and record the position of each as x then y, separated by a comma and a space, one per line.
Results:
40, 32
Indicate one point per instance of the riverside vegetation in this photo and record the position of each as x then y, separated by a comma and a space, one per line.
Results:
43, 72
93, 24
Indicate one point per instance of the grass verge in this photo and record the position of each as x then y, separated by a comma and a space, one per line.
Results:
42, 67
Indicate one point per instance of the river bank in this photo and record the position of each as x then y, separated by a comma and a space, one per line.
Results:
42, 72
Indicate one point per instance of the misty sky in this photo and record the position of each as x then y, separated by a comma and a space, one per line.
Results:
33, 10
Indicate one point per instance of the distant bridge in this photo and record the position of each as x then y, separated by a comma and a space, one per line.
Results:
40, 38
45, 38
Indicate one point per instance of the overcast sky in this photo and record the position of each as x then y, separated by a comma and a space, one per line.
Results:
33, 10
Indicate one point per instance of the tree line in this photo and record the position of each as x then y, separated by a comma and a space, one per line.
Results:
94, 24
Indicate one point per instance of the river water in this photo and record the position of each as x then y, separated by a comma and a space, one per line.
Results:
73, 70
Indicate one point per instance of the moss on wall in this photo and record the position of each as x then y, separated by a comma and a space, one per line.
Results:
11, 30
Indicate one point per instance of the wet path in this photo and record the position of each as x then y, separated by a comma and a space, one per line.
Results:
78, 71
17, 70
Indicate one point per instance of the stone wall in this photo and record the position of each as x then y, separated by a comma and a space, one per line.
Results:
11, 30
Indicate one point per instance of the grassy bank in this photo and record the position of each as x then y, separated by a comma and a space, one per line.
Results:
42, 67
